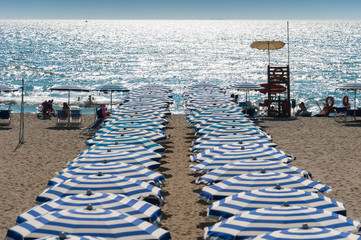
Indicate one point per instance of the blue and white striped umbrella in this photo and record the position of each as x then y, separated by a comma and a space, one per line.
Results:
222, 125
229, 139
105, 223
131, 206
252, 156
153, 117
308, 233
133, 140
210, 152
106, 184
265, 220
114, 168
201, 108
253, 181
239, 131
115, 149
271, 197
247, 166
63, 236
138, 120
121, 126
205, 122
151, 135
143, 112
149, 110
123, 157
211, 112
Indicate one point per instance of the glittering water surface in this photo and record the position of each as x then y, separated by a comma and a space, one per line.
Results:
323, 55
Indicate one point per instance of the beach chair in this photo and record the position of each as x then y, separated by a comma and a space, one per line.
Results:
62, 116
75, 116
341, 114
5, 117
99, 121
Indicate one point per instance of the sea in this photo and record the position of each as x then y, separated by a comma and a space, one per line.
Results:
322, 55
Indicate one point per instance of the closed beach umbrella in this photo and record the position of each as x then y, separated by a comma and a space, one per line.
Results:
236, 168
6, 88
229, 139
105, 184
305, 232
265, 220
115, 149
253, 181
131, 206
121, 157
256, 147
132, 140
114, 168
271, 197
151, 135
69, 88
112, 88
268, 45
63, 236
105, 223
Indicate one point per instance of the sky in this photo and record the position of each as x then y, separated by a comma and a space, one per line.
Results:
181, 9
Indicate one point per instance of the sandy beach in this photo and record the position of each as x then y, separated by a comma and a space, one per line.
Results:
326, 148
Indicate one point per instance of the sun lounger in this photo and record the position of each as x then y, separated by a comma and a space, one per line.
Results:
75, 116
62, 116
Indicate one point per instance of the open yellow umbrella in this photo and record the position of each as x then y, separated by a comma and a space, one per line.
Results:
268, 45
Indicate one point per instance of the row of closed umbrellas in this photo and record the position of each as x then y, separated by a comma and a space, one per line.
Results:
111, 190
252, 189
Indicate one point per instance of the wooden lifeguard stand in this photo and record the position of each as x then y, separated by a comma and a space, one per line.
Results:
279, 104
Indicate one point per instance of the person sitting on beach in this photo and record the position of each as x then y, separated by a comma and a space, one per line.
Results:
302, 111
66, 109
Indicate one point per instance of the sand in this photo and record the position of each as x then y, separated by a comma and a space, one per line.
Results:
326, 148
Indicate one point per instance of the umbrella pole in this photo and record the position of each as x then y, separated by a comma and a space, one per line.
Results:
111, 101
269, 57
246, 101
354, 111
69, 98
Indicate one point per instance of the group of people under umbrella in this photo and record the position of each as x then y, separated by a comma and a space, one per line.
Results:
111, 190
252, 189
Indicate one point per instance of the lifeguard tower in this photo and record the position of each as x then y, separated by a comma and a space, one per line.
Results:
278, 86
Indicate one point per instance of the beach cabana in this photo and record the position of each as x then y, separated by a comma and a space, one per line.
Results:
111, 225
265, 220
271, 197
118, 202
253, 181
104, 183
114, 168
